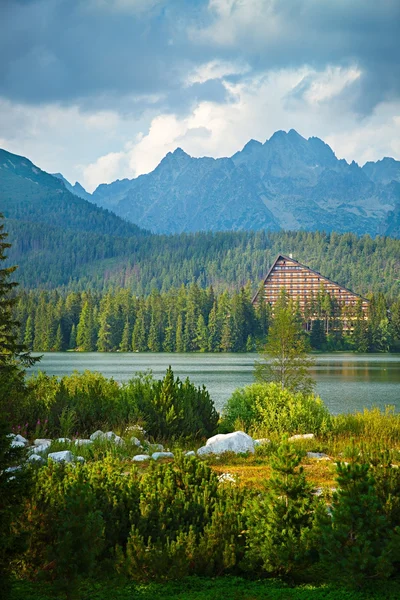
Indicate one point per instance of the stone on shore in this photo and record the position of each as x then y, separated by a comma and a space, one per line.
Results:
42, 442
237, 442
83, 442
141, 457
157, 455
62, 456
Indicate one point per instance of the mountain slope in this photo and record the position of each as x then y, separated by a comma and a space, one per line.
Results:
288, 182
27, 193
190, 194
77, 189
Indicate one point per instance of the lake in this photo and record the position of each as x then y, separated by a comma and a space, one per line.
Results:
346, 382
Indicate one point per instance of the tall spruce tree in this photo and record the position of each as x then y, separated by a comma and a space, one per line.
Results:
13, 359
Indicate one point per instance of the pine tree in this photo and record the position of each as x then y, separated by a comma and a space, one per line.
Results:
59, 341
280, 522
201, 341
86, 332
357, 542
72, 338
179, 334
285, 359
317, 335
28, 337
125, 345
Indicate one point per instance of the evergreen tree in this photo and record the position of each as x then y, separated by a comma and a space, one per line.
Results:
180, 347
357, 542
28, 337
317, 335
280, 522
125, 345
86, 332
59, 341
201, 340
285, 360
72, 338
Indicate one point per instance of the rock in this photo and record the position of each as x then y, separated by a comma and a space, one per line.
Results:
109, 436
80, 459
36, 458
15, 444
42, 441
135, 441
262, 441
157, 447
83, 442
238, 442
113, 437
157, 455
141, 457
302, 436
12, 469
63, 440
190, 453
11, 435
226, 478
62, 456
40, 449
20, 438
318, 455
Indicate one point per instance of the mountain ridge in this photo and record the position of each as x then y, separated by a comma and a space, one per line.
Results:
287, 182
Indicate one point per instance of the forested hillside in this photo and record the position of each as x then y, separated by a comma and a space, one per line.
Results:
29, 194
51, 257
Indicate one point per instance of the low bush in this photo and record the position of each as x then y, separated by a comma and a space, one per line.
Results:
79, 404
267, 408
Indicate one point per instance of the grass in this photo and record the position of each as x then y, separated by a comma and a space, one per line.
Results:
196, 588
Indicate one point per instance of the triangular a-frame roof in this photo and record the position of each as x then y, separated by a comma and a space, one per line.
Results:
283, 257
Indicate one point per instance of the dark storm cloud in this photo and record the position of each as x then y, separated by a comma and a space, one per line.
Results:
102, 51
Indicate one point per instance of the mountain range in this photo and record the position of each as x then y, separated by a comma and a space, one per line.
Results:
288, 182
62, 241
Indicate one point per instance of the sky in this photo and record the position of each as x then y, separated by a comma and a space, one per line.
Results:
100, 90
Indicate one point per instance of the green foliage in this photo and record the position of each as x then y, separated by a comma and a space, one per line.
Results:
187, 524
267, 408
281, 520
357, 542
171, 408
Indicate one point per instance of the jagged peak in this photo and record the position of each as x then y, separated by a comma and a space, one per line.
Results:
251, 145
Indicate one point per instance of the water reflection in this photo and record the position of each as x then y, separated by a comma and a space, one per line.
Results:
346, 382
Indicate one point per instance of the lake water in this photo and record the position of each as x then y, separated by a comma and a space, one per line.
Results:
346, 382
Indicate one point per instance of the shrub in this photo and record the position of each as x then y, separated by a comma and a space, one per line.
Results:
267, 408
280, 521
357, 542
188, 523
170, 408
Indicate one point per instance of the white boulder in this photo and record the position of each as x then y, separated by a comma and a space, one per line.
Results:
63, 440
40, 449
83, 442
113, 437
157, 455
20, 438
80, 459
36, 458
62, 456
318, 455
97, 434
135, 441
141, 457
157, 447
237, 442
42, 441
190, 453
15, 444
301, 436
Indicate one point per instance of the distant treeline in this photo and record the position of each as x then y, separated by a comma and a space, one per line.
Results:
52, 257
190, 319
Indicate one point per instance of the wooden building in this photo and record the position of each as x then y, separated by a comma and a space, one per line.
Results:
305, 286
